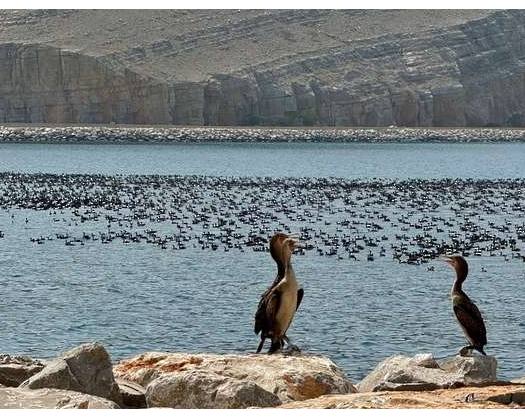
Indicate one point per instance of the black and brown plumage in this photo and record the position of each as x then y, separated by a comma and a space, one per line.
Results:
467, 313
281, 300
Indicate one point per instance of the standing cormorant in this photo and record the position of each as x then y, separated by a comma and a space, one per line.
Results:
281, 300
260, 315
467, 313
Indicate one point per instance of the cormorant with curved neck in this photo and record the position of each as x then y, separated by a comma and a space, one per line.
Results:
467, 313
281, 300
260, 315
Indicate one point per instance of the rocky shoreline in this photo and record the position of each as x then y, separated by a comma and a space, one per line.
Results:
95, 134
84, 377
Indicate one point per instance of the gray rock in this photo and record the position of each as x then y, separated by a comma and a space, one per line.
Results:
474, 369
200, 390
18, 398
86, 368
14, 370
423, 372
56, 374
133, 395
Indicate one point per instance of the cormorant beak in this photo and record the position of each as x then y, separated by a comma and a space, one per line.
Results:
446, 259
295, 242
295, 239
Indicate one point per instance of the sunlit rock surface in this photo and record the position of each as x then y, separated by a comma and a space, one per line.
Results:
184, 380
491, 397
47, 398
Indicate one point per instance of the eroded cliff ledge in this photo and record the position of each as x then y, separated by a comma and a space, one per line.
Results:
470, 72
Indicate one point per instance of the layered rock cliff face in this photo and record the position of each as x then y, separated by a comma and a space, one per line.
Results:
470, 72
46, 84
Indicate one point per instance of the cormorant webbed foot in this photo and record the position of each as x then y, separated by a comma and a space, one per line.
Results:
292, 350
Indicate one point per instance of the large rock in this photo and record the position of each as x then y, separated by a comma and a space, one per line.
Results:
86, 368
495, 397
207, 380
423, 372
17, 398
14, 370
474, 369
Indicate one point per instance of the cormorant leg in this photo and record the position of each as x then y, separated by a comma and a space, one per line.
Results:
277, 345
261, 344
466, 351
291, 347
481, 351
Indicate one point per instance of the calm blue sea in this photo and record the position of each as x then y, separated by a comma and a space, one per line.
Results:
136, 297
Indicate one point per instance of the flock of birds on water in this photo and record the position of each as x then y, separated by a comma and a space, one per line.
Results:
409, 221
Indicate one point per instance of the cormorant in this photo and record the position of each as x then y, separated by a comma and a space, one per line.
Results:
281, 300
467, 313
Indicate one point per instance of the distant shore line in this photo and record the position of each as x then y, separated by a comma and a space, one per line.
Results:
123, 134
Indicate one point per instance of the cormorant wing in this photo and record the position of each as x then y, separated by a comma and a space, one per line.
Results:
300, 294
272, 307
261, 315
470, 318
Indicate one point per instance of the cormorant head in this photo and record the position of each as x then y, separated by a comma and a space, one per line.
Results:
458, 263
276, 245
288, 245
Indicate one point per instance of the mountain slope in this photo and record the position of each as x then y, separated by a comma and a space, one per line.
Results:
279, 67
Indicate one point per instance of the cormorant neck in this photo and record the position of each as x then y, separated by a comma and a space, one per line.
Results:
281, 268
286, 257
289, 265
461, 275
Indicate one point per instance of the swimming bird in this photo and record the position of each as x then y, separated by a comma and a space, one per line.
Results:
467, 313
281, 300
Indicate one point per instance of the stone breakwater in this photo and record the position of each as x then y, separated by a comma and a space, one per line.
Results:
123, 134
84, 377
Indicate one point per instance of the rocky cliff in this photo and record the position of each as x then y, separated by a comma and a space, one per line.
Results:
321, 68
